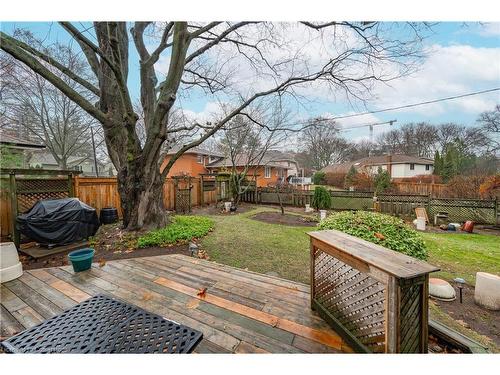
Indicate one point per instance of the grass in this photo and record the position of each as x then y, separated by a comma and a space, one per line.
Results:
462, 255
245, 243
182, 229
239, 241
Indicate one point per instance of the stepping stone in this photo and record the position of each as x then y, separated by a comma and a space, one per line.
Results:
441, 290
487, 291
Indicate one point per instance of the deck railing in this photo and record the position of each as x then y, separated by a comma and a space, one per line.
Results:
376, 298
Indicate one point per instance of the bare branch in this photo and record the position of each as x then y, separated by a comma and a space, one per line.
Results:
10, 45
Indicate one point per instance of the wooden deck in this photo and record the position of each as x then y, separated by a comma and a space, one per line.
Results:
242, 312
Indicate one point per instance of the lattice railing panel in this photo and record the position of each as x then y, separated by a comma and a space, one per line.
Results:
353, 298
410, 337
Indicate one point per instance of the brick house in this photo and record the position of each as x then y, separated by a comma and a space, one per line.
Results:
267, 172
192, 163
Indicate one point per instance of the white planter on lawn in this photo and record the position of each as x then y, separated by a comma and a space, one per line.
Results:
322, 214
10, 267
487, 291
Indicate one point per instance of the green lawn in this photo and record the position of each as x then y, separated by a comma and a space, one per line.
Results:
245, 243
462, 255
242, 242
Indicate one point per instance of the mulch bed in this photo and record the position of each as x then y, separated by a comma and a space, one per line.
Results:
110, 242
470, 315
219, 210
286, 219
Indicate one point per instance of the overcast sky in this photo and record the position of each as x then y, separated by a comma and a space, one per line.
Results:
461, 58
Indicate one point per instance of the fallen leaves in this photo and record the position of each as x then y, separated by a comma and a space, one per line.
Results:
202, 293
380, 236
147, 296
102, 262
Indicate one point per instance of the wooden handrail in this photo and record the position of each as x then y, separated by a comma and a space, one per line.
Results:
376, 298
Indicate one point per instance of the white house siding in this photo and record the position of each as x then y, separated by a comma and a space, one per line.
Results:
419, 170
402, 170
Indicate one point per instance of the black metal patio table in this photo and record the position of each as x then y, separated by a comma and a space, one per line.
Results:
103, 324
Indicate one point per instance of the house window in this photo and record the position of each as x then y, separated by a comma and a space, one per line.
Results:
267, 172
427, 167
199, 159
412, 167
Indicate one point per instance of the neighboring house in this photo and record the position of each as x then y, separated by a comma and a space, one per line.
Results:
16, 152
399, 166
267, 172
192, 162
84, 164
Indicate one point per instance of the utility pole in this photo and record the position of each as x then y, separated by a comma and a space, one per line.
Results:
93, 148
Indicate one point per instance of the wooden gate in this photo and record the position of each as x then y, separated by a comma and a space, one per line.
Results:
182, 197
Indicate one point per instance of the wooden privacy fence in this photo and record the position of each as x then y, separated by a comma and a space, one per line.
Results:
97, 192
401, 205
434, 190
375, 298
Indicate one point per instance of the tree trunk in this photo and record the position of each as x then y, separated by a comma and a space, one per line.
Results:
141, 196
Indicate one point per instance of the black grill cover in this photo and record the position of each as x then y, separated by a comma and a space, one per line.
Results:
58, 221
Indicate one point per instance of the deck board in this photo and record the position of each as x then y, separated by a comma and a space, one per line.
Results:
242, 312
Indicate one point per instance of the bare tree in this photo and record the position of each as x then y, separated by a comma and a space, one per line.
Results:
35, 108
211, 57
363, 149
490, 124
412, 139
246, 142
323, 144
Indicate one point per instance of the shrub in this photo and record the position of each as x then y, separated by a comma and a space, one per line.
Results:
382, 181
182, 229
363, 181
321, 199
381, 229
465, 186
335, 179
318, 178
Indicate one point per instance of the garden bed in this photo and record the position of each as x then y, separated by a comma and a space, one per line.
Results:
110, 242
286, 219
470, 315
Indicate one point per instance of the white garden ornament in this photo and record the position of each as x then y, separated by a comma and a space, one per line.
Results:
487, 291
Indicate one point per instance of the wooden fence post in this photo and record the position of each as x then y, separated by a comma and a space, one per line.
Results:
202, 192
71, 187
13, 208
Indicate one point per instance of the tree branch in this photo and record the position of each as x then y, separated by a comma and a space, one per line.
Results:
75, 77
10, 46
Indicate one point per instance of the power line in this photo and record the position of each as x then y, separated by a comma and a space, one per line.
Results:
412, 105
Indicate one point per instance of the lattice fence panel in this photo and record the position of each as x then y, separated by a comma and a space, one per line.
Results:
29, 191
459, 210
353, 298
26, 200
44, 185
183, 200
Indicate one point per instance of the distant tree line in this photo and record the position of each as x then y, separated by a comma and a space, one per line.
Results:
456, 149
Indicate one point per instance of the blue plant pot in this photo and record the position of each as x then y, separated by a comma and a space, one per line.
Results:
81, 259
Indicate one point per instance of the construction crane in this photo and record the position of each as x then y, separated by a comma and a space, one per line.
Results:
371, 126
